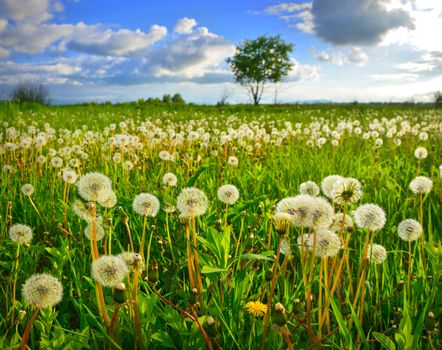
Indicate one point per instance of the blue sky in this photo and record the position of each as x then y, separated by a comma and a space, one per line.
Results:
345, 50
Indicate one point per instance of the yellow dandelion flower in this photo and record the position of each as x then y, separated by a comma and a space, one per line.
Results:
256, 308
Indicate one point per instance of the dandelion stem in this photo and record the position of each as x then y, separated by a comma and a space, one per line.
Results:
14, 284
168, 237
24, 339
143, 237
195, 252
269, 301
410, 263
421, 210
38, 212
189, 258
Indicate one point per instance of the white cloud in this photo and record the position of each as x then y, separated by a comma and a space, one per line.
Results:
4, 53
303, 18
357, 56
353, 56
362, 22
332, 57
184, 26
3, 24
287, 7
93, 40
303, 72
394, 77
191, 55
427, 17
31, 38
35, 11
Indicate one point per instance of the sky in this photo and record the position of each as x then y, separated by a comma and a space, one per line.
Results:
109, 50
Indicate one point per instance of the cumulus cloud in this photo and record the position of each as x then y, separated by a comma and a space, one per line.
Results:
95, 41
35, 11
332, 57
287, 7
353, 56
302, 72
427, 17
357, 56
299, 15
349, 22
31, 38
345, 22
184, 25
191, 55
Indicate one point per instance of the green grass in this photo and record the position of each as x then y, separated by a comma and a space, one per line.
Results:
264, 176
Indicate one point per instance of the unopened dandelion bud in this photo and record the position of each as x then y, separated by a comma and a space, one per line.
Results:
260, 209
21, 315
153, 275
430, 322
123, 214
210, 326
269, 275
279, 316
243, 213
119, 293
219, 224
400, 285
297, 306
193, 297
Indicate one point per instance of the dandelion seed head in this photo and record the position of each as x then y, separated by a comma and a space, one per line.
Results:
82, 211
421, 184
134, 261
233, 161
42, 290
88, 231
192, 202
109, 270
228, 194
169, 179
27, 189
309, 187
94, 187
328, 183
56, 162
376, 253
299, 207
20, 233
369, 216
69, 176
421, 153
409, 230
110, 199
327, 243
321, 214
146, 204
337, 222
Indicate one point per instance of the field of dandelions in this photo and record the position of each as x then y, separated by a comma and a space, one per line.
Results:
315, 227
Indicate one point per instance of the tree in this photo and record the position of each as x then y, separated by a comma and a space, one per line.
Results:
259, 62
167, 98
30, 92
177, 98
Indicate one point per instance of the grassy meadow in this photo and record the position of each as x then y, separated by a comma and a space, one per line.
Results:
289, 264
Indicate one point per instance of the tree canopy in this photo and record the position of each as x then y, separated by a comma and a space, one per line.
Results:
259, 62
